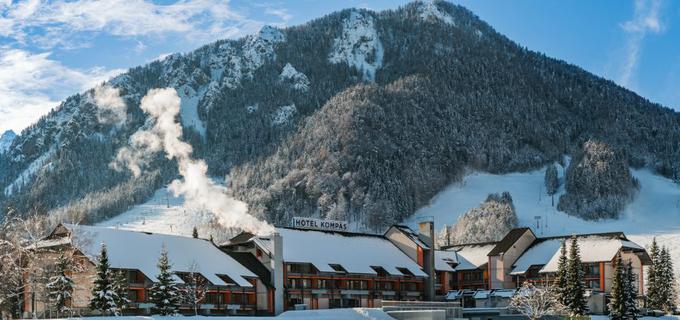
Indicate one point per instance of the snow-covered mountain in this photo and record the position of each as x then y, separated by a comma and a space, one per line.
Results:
358, 115
6, 140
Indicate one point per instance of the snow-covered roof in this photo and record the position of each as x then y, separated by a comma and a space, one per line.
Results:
356, 253
593, 248
141, 250
537, 255
443, 260
473, 256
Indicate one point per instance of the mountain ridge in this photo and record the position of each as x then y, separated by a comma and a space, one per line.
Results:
289, 151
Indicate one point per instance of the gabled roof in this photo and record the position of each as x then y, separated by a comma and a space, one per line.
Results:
355, 252
594, 247
141, 250
415, 237
473, 256
506, 243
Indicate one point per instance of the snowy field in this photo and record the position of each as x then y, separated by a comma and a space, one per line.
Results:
655, 211
333, 314
163, 213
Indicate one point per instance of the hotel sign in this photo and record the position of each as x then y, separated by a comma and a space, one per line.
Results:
318, 224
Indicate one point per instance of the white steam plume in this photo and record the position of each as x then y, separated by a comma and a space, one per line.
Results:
199, 191
111, 107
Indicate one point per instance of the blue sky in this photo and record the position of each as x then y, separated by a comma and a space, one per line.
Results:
52, 49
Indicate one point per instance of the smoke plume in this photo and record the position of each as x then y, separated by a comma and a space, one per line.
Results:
111, 107
199, 191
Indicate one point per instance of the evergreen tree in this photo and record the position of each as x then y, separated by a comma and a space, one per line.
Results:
60, 286
561, 280
103, 296
551, 181
194, 233
575, 289
164, 292
119, 284
617, 302
630, 293
654, 301
667, 294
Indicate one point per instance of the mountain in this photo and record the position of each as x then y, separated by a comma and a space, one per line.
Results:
357, 115
6, 140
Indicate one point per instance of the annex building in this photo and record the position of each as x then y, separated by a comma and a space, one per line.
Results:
231, 287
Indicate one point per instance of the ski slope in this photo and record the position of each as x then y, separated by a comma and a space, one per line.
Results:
163, 213
655, 212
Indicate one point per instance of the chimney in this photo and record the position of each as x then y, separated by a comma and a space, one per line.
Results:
277, 267
426, 235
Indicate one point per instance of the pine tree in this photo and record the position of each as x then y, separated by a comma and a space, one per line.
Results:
653, 285
103, 296
617, 302
119, 284
164, 292
667, 294
551, 181
630, 293
561, 280
575, 289
60, 286
194, 233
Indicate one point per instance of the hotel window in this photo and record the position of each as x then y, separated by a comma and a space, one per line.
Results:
387, 286
135, 296
298, 268
324, 284
214, 298
592, 270
409, 286
300, 283
358, 285
593, 284
338, 268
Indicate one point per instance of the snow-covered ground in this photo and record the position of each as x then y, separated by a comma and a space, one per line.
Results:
655, 211
163, 213
332, 314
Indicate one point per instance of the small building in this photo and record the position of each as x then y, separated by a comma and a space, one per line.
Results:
230, 287
481, 271
334, 269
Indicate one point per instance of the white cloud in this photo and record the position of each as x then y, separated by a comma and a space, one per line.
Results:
645, 20
33, 84
50, 23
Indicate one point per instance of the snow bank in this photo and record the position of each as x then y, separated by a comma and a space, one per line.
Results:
331, 314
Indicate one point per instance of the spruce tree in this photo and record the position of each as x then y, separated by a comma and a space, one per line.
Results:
617, 302
630, 293
561, 280
119, 284
60, 286
667, 294
653, 281
551, 181
194, 233
575, 289
103, 296
164, 292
